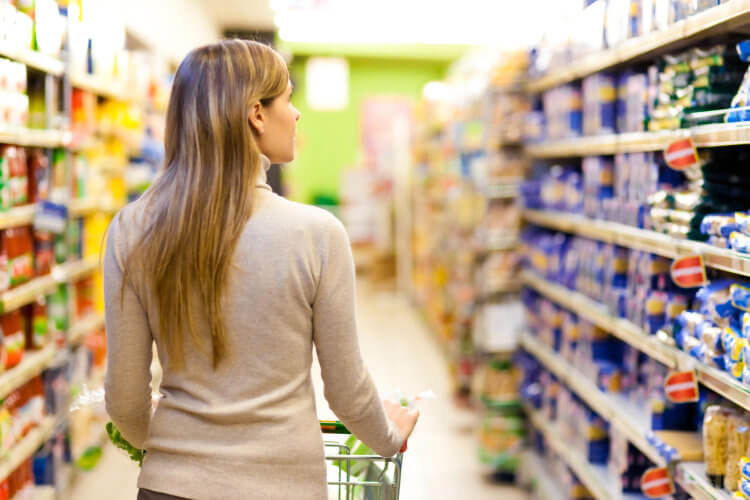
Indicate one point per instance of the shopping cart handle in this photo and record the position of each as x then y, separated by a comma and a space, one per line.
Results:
333, 427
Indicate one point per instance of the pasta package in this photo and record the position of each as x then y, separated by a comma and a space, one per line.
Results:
715, 437
738, 430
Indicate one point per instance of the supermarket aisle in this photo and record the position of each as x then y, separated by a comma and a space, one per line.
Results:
441, 463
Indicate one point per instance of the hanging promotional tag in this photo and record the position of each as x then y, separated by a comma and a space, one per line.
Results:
682, 387
689, 272
681, 154
51, 217
657, 483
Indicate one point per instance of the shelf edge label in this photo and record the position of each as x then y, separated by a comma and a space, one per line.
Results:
682, 387
657, 482
681, 154
689, 271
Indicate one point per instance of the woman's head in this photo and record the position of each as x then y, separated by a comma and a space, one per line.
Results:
235, 93
227, 101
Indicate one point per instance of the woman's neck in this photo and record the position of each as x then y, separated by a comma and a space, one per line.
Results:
265, 164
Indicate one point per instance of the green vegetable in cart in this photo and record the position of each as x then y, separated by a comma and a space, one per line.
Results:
135, 454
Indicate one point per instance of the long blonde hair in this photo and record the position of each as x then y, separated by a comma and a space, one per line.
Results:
198, 206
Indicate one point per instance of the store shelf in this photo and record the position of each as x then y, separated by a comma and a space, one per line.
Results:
29, 292
622, 414
27, 447
18, 216
83, 327
692, 477
498, 245
704, 136
83, 207
43, 138
32, 59
501, 191
718, 381
597, 314
597, 478
74, 271
32, 364
720, 19
101, 86
641, 239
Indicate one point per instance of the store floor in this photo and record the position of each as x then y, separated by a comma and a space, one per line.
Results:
441, 463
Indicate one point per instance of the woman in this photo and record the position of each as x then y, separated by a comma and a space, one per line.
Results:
235, 285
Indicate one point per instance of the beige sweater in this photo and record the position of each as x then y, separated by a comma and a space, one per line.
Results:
249, 429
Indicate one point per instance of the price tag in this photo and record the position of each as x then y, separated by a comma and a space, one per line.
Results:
682, 387
681, 154
689, 271
51, 217
657, 482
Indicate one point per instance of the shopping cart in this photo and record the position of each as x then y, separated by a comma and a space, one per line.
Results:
354, 476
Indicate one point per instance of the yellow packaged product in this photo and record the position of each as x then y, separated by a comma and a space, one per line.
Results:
715, 438
738, 430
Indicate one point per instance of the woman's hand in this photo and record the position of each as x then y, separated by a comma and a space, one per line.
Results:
403, 418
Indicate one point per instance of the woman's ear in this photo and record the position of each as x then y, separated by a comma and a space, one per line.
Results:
257, 119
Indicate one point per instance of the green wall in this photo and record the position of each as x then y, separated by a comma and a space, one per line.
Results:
329, 142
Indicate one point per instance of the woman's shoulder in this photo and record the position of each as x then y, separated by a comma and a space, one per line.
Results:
303, 215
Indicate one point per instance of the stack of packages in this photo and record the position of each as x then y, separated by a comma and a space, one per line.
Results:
726, 446
634, 285
724, 205
693, 82
586, 432
716, 330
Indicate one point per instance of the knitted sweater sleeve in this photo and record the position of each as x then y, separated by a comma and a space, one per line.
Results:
129, 351
348, 387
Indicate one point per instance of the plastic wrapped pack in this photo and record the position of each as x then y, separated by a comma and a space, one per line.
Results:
738, 430
715, 442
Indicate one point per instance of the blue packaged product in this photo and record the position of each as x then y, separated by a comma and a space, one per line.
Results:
729, 341
739, 242
745, 486
656, 310
719, 361
740, 296
608, 377
745, 468
698, 351
745, 325
743, 222
599, 104
719, 225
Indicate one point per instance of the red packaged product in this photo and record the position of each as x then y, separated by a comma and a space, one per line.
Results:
84, 290
44, 252
38, 166
19, 246
14, 337
19, 178
5, 490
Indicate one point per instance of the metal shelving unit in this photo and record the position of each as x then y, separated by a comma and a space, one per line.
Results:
597, 478
718, 381
704, 136
630, 419
641, 239
719, 19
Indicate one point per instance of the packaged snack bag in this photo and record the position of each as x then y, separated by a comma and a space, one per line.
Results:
715, 440
738, 430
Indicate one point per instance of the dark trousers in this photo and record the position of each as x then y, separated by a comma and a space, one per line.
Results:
144, 494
